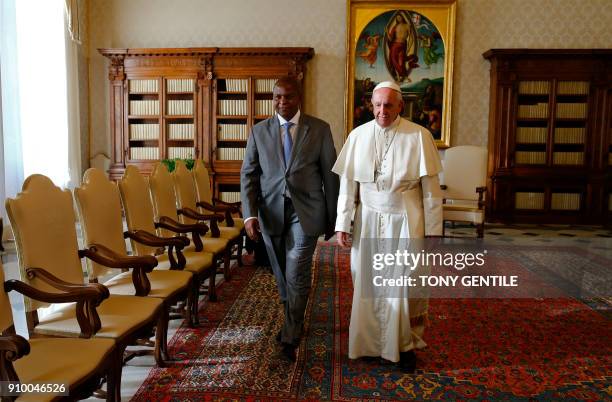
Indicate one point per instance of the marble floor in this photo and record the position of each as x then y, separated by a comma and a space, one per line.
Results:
596, 239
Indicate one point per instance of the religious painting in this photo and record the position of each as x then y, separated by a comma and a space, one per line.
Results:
410, 43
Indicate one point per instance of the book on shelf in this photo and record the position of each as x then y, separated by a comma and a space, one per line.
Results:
534, 87
537, 111
229, 196
570, 135
530, 157
568, 158
531, 135
230, 154
144, 131
573, 88
144, 107
180, 131
144, 153
232, 107
264, 85
264, 107
571, 110
180, 107
181, 153
236, 85
528, 200
565, 201
227, 131
143, 86
180, 85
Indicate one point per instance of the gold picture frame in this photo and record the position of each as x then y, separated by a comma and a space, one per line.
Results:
410, 42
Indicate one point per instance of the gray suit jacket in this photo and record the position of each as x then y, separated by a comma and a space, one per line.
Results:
309, 179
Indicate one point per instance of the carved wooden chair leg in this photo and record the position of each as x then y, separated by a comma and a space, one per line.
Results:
480, 230
212, 285
161, 352
113, 379
194, 319
239, 252
227, 256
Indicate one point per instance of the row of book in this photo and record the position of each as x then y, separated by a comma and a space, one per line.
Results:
232, 132
181, 131
229, 196
530, 157
144, 131
568, 158
571, 110
180, 107
565, 201
528, 200
180, 152
570, 135
264, 107
144, 107
236, 85
534, 87
264, 85
230, 154
143, 86
573, 88
145, 153
180, 85
531, 135
233, 107
539, 111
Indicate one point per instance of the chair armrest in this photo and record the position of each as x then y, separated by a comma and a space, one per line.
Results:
62, 285
87, 298
227, 210
212, 218
197, 229
175, 243
236, 206
140, 265
12, 347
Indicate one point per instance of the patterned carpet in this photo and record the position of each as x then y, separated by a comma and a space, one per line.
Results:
491, 349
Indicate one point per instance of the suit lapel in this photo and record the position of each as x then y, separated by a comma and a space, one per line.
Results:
274, 131
300, 137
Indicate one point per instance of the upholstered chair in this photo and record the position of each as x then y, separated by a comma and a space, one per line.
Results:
161, 186
43, 221
184, 188
99, 206
464, 185
140, 219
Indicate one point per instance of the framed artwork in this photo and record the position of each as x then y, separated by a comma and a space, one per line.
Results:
409, 42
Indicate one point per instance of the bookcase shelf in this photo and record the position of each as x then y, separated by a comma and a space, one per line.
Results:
550, 136
193, 102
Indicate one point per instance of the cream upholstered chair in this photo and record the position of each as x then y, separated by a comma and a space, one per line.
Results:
43, 222
465, 176
140, 218
166, 215
184, 188
207, 203
99, 206
52, 360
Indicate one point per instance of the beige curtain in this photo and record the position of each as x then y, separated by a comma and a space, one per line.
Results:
73, 20
73, 40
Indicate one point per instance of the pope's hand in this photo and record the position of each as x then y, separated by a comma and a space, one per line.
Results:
252, 229
344, 239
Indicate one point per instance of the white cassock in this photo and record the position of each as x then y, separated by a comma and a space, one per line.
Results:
389, 181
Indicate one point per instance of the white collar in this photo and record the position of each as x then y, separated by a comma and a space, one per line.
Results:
295, 119
391, 126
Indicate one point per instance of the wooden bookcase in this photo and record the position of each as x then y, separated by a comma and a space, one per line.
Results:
193, 103
550, 136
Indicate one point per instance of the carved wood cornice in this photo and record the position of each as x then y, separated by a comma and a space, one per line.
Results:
116, 71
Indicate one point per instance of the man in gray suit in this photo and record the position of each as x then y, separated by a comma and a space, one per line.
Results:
289, 194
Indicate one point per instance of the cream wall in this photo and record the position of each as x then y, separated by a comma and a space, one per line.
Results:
321, 24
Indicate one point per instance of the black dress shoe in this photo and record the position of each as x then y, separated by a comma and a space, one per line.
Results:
288, 351
407, 361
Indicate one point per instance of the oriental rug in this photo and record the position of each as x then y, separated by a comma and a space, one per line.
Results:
478, 349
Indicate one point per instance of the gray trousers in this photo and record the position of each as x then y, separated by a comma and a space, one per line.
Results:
290, 255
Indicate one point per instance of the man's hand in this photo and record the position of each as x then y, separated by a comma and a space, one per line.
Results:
252, 229
343, 239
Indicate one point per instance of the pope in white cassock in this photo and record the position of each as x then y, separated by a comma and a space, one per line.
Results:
388, 172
